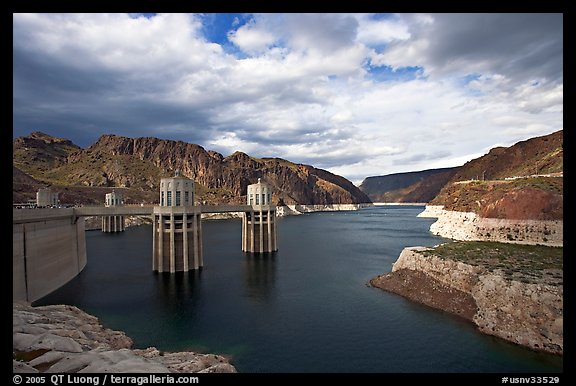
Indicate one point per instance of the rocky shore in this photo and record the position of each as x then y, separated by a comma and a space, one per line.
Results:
526, 313
65, 339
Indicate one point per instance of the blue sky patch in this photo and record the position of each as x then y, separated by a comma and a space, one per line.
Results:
215, 27
387, 73
383, 16
146, 15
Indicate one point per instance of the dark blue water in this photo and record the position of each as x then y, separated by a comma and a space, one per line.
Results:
305, 309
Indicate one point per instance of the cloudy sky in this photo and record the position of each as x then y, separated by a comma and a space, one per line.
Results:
356, 94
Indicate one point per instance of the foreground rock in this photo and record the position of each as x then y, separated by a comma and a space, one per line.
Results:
528, 314
65, 339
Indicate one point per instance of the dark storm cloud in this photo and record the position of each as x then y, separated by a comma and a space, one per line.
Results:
520, 46
83, 104
326, 32
417, 158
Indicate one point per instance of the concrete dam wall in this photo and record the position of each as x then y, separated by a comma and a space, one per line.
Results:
49, 249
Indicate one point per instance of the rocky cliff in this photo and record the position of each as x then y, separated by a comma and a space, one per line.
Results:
523, 181
525, 312
39, 152
538, 155
138, 164
64, 339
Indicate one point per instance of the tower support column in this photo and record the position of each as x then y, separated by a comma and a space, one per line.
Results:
259, 230
177, 240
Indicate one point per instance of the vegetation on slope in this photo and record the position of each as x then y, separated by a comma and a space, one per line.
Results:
526, 263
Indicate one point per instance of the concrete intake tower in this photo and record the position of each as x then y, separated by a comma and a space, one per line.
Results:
259, 224
177, 227
113, 223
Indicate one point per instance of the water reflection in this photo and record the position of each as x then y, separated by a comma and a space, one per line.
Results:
175, 290
259, 276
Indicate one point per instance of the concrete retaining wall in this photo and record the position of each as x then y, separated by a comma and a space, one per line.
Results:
47, 253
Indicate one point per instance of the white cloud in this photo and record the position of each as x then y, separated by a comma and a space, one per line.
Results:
341, 117
375, 32
251, 38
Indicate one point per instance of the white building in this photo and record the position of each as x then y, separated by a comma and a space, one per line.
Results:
113, 199
176, 191
45, 197
259, 193
113, 223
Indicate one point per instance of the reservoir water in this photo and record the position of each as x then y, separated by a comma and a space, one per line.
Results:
304, 309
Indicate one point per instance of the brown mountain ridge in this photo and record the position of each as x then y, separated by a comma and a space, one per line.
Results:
136, 165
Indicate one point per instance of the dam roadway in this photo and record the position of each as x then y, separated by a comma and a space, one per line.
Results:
35, 215
49, 245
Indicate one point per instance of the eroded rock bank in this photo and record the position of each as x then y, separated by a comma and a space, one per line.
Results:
528, 314
470, 226
291, 210
65, 339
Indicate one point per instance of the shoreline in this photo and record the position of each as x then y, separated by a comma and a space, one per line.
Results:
423, 289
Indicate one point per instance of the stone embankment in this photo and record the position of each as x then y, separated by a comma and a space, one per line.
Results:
528, 314
290, 210
94, 223
468, 226
65, 339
